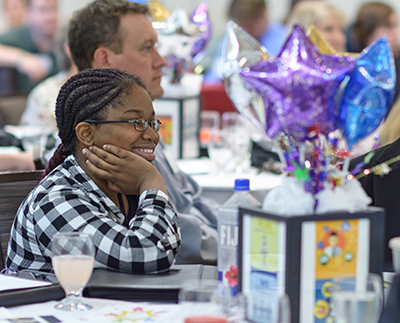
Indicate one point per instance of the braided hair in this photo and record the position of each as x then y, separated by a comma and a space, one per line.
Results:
86, 95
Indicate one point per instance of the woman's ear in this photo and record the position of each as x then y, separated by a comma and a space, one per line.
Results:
85, 133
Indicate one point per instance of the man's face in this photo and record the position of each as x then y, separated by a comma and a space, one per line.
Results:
139, 55
42, 16
333, 240
16, 12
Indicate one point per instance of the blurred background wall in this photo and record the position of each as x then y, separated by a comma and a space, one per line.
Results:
278, 9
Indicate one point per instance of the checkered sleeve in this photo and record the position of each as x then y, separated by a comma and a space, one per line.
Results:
149, 245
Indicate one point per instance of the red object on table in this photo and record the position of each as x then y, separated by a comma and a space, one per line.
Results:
214, 97
205, 319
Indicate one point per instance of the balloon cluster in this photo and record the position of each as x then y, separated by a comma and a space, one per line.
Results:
307, 95
182, 38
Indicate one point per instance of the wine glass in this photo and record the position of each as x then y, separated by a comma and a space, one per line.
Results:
357, 299
73, 261
203, 301
219, 149
239, 138
208, 120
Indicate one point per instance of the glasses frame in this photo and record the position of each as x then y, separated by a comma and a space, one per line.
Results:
154, 124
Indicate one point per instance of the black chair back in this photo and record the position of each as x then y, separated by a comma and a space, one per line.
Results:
14, 187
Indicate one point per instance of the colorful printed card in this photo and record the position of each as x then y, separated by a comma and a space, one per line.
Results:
263, 254
329, 248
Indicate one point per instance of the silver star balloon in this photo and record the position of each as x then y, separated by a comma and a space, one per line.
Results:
240, 51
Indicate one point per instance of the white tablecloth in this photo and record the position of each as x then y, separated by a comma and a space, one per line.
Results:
103, 310
219, 188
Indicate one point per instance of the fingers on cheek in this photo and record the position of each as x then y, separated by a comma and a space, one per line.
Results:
115, 151
92, 161
90, 165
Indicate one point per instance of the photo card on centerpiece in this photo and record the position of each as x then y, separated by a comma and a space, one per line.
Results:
299, 255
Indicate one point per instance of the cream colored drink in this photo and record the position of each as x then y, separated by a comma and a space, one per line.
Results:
73, 272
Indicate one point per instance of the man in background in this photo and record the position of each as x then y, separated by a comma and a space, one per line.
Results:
118, 34
253, 17
36, 38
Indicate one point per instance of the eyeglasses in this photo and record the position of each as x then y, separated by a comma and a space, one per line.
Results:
139, 124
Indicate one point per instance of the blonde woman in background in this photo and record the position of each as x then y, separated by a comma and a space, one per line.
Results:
329, 21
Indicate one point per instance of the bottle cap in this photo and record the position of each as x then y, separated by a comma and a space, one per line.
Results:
242, 184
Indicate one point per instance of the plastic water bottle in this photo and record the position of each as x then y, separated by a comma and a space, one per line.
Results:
228, 231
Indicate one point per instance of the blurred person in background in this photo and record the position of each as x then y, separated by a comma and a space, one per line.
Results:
253, 16
39, 111
36, 37
374, 20
328, 19
15, 11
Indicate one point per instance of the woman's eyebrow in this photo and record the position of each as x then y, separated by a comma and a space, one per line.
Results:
138, 112
133, 111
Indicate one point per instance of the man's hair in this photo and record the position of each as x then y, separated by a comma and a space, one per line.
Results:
245, 10
96, 25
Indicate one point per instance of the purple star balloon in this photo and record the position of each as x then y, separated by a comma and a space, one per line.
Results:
298, 87
200, 18
367, 92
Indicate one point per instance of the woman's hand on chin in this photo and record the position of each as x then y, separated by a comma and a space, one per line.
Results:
124, 171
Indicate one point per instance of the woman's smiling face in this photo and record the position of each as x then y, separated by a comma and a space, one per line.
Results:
137, 104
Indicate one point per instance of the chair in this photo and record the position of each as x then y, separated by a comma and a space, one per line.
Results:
11, 108
8, 81
14, 187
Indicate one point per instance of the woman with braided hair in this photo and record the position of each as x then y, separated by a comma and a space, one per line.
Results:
106, 113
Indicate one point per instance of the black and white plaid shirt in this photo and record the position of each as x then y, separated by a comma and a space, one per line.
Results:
68, 200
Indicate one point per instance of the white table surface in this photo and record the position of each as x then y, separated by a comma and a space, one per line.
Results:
104, 310
111, 311
219, 188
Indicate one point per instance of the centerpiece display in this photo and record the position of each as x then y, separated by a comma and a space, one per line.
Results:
182, 39
316, 104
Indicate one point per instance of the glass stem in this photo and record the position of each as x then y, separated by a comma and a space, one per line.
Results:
73, 296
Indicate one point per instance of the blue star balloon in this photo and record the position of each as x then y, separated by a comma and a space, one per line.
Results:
364, 96
298, 87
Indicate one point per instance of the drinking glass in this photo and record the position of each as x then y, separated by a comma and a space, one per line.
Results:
263, 306
239, 137
203, 301
219, 149
73, 261
357, 299
208, 121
